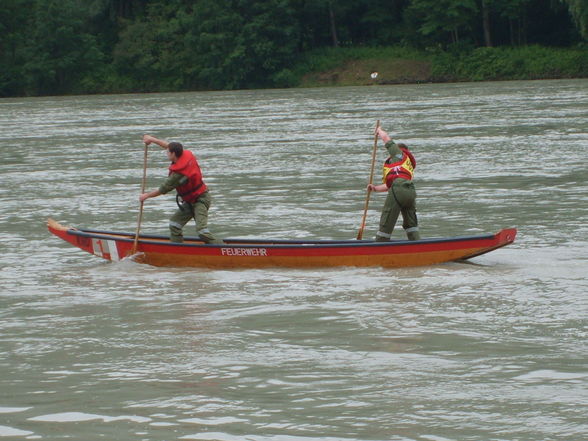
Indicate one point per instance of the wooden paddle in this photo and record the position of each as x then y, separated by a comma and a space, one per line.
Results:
135, 243
367, 198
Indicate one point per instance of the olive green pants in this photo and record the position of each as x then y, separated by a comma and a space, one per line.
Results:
401, 199
197, 210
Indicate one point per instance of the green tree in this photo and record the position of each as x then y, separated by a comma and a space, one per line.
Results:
240, 43
149, 53
270, 37
579, 11
14, 25
382, 23
90, 46
61, 55
515, 12
215, 54
486, 25
436, 19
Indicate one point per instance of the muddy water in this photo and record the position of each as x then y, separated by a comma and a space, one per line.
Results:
494, 349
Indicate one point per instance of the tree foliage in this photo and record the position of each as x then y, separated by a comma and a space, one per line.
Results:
439, 18
101, 46
579, 11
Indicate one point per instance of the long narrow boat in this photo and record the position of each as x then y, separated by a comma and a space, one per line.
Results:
246, 253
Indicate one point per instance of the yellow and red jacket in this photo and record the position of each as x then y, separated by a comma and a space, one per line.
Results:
187, 165
403, 168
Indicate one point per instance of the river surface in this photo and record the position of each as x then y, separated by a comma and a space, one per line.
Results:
494, 349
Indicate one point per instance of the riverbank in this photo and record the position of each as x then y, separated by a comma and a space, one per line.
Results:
392, 65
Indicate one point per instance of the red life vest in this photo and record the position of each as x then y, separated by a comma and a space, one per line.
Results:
403, 168
187, 165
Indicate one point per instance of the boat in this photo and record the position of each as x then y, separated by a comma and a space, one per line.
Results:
250, 253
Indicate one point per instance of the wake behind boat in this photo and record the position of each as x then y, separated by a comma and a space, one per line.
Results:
250, 253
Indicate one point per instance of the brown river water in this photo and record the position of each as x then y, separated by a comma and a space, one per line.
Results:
493, 349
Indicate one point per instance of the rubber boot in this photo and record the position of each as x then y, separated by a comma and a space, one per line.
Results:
413, 235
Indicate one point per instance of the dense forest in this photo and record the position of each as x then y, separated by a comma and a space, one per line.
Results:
53, 47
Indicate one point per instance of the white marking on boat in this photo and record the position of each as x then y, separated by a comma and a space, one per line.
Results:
97, 247
113, 250
253, 252
105, 248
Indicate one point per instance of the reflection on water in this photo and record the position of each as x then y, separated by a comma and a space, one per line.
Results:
488, 350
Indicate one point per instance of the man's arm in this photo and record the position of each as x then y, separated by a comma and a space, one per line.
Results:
389, 144
377, 188
148, 139
151, 194
383, 135
170, 183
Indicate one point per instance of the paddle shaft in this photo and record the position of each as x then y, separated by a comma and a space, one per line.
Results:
140, 217
367, 198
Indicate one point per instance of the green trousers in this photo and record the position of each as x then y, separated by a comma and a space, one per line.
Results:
401, 199
199, 212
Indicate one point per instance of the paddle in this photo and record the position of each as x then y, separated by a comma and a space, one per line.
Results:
134, 249
367, 198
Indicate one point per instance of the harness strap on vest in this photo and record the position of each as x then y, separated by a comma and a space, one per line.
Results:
403, 168
193, 190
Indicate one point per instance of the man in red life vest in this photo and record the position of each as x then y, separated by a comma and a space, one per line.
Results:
185, 176
397, 181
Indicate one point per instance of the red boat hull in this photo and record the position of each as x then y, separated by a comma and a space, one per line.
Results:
159, 251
